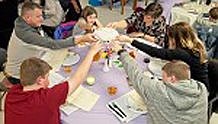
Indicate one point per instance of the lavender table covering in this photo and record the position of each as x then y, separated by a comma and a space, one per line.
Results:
99, 113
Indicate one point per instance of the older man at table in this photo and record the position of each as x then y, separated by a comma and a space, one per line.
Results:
32, 102
176, 99
29, 40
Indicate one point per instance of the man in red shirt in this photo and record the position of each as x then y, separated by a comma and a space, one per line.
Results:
32, 102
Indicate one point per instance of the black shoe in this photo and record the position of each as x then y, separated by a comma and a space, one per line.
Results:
115, 1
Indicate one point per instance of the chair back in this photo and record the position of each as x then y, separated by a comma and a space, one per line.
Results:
64, 30
215, 55
213, 81
213, 75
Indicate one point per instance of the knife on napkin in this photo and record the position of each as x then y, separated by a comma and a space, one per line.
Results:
114, 110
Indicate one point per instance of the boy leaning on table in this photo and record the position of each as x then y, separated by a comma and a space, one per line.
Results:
176, 99
32, 102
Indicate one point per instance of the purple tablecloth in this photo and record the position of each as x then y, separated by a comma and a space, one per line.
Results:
100, 113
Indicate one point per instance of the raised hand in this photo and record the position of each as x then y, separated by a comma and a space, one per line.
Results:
96, 47
116, 46
124, 38
112, 25
89, 38
136, 34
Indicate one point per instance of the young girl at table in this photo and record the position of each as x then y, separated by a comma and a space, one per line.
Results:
88, 21
183, 45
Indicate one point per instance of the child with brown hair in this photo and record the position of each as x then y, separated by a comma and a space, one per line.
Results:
88, 21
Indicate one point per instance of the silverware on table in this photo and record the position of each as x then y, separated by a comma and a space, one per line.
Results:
114, 110
119, 109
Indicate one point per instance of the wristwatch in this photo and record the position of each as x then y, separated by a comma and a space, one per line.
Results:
121, 51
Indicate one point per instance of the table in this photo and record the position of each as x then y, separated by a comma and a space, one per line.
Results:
188, 12
182, 15
99, 113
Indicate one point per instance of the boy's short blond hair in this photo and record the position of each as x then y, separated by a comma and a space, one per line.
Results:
179, 69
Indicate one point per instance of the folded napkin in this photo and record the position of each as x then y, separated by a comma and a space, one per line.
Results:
128, 106
83, 98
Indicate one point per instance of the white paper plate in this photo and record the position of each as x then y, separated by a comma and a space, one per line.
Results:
106, 34
155, 66
135, 103
133, 106
71, 59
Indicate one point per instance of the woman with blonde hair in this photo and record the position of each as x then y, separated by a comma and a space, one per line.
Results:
183, 45
182, 36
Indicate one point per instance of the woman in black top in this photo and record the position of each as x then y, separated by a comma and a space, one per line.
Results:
183, 45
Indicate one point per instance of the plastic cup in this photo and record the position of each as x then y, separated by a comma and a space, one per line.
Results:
97, 56
112, 90
67, 69
90, 80
132, 54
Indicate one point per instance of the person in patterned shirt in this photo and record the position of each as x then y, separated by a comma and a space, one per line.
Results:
147, 23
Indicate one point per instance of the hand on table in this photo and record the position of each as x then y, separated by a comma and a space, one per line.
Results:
112, 25
149, 38
136, 34
85, 38
96, 47
116, 46
124, 38
90, 38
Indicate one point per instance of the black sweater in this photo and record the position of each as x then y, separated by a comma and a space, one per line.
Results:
198, 71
